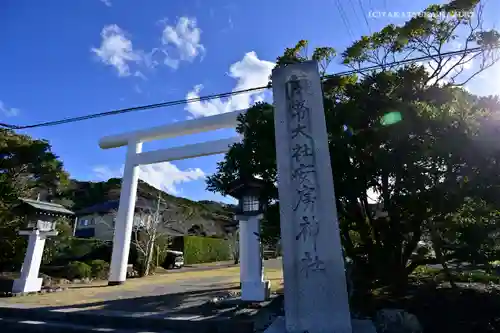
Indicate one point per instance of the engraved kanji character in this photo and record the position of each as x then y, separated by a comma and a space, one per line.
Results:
311, 264
300, 151
302, 172
300, 130
306, 197
308, 229
293, 87
299, 110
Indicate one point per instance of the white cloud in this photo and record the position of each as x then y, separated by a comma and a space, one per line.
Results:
116, 50
165, 176
9, 112
182, 42
139, 74
170, 62
106, 2
249, 72
104, 173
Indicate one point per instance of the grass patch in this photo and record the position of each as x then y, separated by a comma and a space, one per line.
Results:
470, 276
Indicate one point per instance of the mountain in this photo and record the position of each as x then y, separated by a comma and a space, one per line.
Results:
205, 216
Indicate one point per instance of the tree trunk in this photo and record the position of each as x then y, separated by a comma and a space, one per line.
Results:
149, 257
436, 246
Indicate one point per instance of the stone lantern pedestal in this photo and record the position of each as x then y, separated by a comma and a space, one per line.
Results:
29, 280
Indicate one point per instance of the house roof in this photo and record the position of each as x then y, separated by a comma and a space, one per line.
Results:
107, 206
47, 206
179, 227
172, 231
102, 207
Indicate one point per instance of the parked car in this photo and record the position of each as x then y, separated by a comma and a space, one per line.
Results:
174, 259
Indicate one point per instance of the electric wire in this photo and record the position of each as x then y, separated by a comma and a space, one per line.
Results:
232, 93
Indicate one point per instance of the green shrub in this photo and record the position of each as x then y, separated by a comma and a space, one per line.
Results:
78, 270
477, 277
203, 249
83, 249
100, 269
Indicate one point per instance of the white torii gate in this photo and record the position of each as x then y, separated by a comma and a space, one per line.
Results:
249, 244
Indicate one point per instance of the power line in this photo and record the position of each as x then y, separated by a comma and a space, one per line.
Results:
363, 13
407, 61
137, 108
344, 18
233, 93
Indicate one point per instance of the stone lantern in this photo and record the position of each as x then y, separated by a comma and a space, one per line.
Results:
40, 222
247, 190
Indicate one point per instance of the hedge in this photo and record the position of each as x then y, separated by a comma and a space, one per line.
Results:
86, 250
82, 249
203, 249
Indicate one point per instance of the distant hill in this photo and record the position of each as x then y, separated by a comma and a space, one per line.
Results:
211, 216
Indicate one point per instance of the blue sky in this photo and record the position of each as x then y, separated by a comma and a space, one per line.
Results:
71, 58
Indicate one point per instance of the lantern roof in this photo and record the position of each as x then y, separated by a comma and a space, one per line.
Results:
243, 185
46, 206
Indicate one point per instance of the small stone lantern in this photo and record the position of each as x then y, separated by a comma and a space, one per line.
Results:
40, 223
249, 211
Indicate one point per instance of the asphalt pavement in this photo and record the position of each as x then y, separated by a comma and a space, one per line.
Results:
11, 325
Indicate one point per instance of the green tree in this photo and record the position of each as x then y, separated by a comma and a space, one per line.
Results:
55, 246
27, 168
422, 168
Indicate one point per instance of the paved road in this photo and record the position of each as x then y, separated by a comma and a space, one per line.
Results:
150, 294
273, 263
28, 326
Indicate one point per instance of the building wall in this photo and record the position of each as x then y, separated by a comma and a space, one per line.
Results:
102, 226
99, 226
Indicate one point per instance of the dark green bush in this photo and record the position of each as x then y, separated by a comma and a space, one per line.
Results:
203, 249
78, 270
100, 269
476, 276
82, 249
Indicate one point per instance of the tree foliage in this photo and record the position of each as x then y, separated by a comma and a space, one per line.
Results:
418, 147
28, 167
457, 25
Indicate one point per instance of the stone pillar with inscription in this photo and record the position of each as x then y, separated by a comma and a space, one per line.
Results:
316, 298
